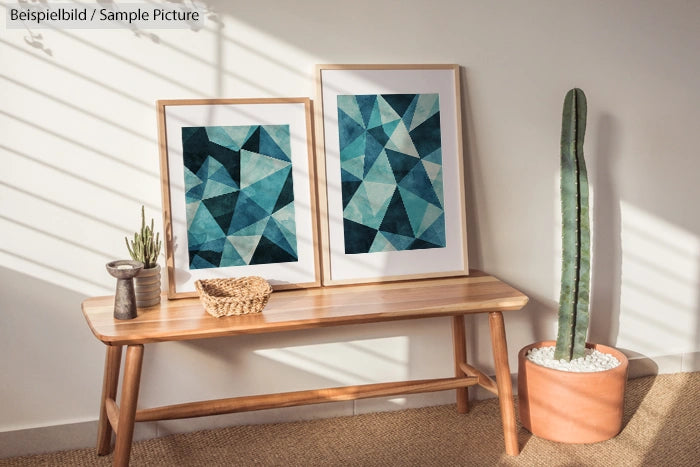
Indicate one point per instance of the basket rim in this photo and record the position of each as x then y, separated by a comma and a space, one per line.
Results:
211, 288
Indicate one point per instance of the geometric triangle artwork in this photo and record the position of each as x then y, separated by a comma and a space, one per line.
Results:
391, 172
239, 195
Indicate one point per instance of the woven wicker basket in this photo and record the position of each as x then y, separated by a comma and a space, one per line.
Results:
226, 297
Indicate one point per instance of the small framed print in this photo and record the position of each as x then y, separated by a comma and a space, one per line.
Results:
239, 194
390, 172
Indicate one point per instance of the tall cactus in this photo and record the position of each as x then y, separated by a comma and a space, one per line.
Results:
576, 236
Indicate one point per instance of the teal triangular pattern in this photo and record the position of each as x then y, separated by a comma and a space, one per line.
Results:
355, 148
266, 191
349, 106
230, 256
399, 242
381, 244
245, 245
426, 107
349, 131
385, 185
284, 218
418, 182
194, 186
366, 104
435, 234
275, 235
269, 145
236, 178
247, 211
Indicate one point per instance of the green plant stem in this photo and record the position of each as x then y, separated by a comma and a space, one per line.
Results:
575, 280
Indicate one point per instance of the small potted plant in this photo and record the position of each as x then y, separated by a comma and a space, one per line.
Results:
572, 391
145, 247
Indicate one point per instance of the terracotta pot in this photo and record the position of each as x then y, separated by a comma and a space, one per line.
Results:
147, 287
571, 407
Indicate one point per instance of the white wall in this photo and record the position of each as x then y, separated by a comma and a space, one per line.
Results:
79, 157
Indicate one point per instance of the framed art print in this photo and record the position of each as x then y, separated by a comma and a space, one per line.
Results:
238, 191
390, 172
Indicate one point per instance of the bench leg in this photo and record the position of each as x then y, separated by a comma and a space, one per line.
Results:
505, 390
459, 343
109, 391
127, 409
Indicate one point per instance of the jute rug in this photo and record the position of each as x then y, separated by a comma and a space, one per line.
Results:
661, 428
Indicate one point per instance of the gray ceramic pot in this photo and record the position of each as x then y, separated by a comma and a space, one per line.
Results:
147, 287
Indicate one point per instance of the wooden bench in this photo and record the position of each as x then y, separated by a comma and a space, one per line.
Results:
185, 319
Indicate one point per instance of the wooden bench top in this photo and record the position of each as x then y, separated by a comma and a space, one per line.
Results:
186, 319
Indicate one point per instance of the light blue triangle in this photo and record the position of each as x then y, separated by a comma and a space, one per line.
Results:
286, 222
239, 134
212, 189
380, 243
400, 141
386, 111
348, 104
355, 166
245, 245
230, 256
426, 106
381, 171
432, 213
203, 227
255, 167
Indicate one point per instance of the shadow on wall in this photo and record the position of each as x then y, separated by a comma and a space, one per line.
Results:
472, 171
607, 243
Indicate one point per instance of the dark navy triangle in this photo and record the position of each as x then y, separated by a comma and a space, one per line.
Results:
252, 144
286, 196
366, 104
358, 237
401, 164
396, 218
418, 183
426, 136
349, 188
221, 208
274, 234
379, 135
419, 244
230, 159
194, 147
267, 252
399, 102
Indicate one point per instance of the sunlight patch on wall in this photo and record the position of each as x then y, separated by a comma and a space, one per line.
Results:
660, 282
373, 360
80, 156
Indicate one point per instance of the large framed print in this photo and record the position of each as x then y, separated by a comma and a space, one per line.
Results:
239, 194
390, 172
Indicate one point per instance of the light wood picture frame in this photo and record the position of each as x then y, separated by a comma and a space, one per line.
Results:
390, 172
239, 194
